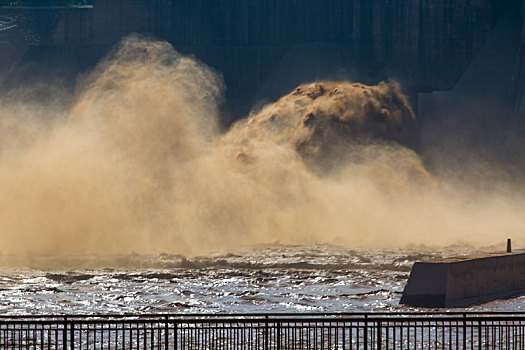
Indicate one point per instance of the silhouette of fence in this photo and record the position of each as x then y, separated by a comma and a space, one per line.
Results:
267, 331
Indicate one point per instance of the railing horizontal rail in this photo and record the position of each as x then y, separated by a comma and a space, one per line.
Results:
275, 314
265, 320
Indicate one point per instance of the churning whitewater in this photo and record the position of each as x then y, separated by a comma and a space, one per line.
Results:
314, 278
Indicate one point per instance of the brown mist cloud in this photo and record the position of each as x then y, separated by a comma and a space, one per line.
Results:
138, 164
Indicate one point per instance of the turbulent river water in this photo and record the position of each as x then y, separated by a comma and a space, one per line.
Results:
319, 278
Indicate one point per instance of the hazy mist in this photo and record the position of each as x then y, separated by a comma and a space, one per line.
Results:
139, 162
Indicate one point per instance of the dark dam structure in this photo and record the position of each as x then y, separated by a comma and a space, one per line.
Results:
265, 48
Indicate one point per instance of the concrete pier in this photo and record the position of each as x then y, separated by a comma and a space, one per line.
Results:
465, 280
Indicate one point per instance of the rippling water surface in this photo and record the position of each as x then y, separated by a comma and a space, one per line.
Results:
271, 279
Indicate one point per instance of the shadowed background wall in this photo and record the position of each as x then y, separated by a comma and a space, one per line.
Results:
424, 44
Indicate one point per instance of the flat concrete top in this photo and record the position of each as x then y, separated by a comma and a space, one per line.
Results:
475, 256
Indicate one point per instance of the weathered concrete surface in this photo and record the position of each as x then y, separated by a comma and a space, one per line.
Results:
75, 27
12, 49
424, 44
465, 280
482, 119
488, 85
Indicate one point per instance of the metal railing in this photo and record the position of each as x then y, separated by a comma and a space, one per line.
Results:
267, 331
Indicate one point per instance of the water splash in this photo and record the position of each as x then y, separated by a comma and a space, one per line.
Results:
138, 162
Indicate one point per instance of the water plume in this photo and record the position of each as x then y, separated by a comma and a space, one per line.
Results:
139, 162
322, 121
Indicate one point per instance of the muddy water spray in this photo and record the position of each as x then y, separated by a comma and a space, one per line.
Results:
138, 164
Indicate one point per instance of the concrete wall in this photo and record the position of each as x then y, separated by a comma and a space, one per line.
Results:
488, 85
465, 281
12, 47
75, 27
425, 44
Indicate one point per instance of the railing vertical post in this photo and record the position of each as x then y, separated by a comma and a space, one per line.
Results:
365, 336
344, 336
72, 336
379, 335
64, 334
278, 335
266, 335
480, 336
175, 336
166, 330
464, 332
